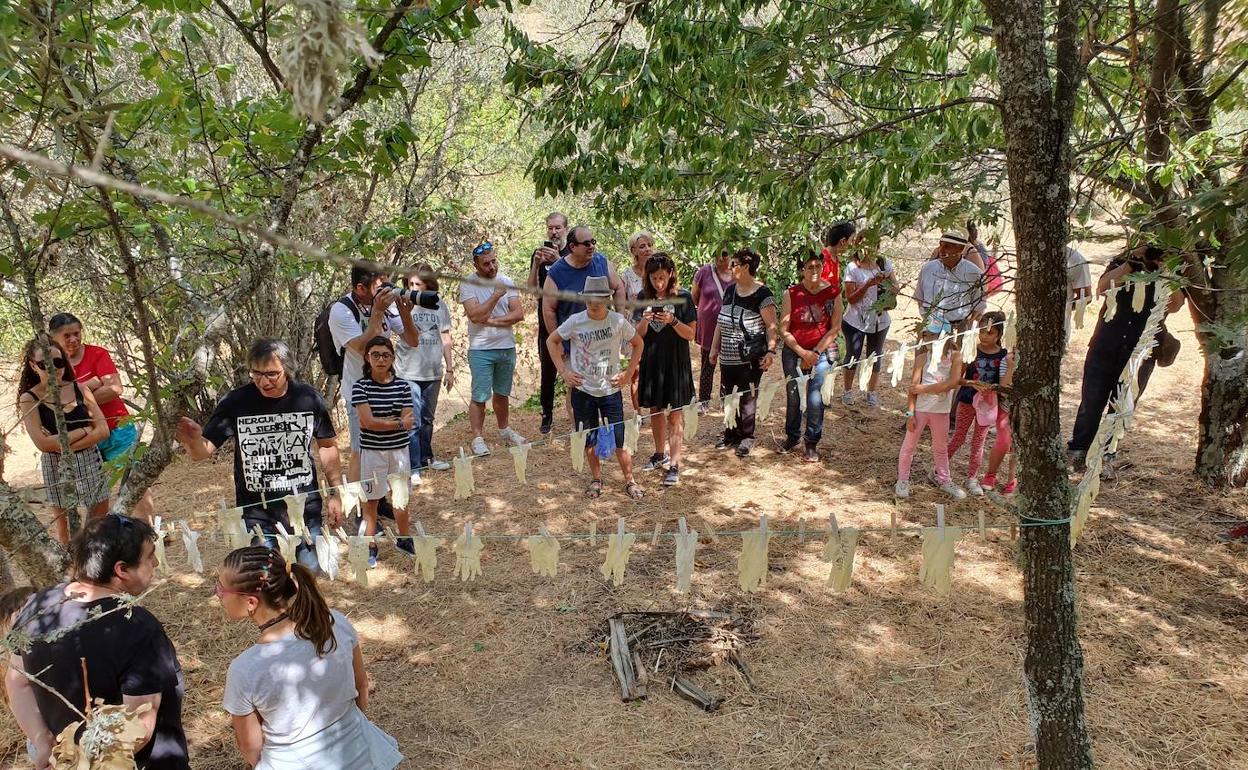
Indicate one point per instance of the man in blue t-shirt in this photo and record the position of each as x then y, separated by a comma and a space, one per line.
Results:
568, 274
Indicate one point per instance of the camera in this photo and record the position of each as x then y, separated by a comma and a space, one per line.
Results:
420, 298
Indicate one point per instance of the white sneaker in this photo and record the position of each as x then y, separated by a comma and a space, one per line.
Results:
873, 400
478, 447
509, 436
847, 398
440, 465
416, 480
902, 489
953, 490
973, 487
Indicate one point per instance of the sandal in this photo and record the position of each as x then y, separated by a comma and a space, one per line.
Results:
594, 491
633, 490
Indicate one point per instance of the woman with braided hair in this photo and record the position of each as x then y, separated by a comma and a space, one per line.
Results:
298, 694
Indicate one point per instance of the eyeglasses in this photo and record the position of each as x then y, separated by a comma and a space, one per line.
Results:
481, 249
380, 355
58, 362
220, 591
256, 374
591, 243
735, 263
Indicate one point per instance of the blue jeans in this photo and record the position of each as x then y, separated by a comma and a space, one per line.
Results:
420, 438
305, 554
592, 411
814, 397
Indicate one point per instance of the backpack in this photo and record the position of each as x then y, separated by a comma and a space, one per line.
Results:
330, 354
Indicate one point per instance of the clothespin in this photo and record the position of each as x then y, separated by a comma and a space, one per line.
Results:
420, 529
255, 530
892, 522
658, 530
833, 526
801, 529
1013, 530
342, 534
711, 534
468, 525
542, 530
593, 533
983, 530
619, 527
762, 525
940, 518
682, 527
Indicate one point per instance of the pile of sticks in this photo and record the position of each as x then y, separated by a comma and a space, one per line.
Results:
667, 647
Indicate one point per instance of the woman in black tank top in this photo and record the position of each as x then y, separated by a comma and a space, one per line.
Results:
40, 384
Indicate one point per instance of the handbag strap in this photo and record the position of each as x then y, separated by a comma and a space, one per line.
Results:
718, 284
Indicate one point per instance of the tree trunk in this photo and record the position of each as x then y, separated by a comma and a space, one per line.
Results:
26, 541
1221, 457
1036, 115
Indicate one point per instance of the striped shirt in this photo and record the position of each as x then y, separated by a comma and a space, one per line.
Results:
387, 402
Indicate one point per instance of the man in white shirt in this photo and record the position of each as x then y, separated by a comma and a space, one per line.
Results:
951, 287
355, 319
492, 311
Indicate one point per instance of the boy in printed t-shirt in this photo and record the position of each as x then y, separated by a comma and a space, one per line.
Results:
595, 335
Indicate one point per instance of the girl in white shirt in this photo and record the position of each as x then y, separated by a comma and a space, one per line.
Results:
298, 694
931, 396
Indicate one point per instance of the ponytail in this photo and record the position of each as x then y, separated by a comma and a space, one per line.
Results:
309, 612
263, 572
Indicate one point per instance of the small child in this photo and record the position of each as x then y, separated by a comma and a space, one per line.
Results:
384, 403
931, 395
1001, 448
979, 404
594, 376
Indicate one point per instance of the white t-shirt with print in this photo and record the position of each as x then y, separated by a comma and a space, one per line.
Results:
296, 692
595, 348
344, 328
861, 315
424, 362
489, 337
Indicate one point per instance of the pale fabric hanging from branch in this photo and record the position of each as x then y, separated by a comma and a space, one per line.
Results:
1088, 491
467, 557
619, 547
544, 555
1139, 291
426, 548
939, 544
732, 402
190, 541
839, 552
801, 380
576, 446
1081, 307
400, 489
352, 492
895, 366
319, 48
826, 388
286, 543
686, 547
690, 412
1009, 335
632, 432
752, 561
969, 340
520, 460
465, 484
1111, 302
766, 394
357, 557
327, 554
159, 544
294, 512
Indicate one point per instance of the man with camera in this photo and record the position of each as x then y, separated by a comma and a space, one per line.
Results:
358, 316
543, 257
1112, 343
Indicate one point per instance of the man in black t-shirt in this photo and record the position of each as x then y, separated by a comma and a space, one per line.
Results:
127, 658
543, 257
1111, 346
279, 426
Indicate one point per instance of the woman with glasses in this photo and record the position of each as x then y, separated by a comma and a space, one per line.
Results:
41, 385
665, 381
810, 318
384, 404
297, 696
744, 345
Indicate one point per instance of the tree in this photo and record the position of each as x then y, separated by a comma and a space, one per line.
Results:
685, 112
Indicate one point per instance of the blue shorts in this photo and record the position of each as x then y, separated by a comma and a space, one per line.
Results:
120, 441
591, 411
492, 373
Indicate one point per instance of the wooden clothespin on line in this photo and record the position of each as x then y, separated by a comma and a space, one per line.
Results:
940, 518
658, 530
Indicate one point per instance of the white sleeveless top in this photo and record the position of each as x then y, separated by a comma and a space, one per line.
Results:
937, 402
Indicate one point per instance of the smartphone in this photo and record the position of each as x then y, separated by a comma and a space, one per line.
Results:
548, 244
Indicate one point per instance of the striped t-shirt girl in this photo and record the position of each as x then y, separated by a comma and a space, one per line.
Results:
387, 402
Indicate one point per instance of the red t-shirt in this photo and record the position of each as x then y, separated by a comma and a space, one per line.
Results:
810, 314
831, 270
96, 362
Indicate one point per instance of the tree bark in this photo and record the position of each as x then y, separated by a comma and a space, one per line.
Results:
1036, 111
26, 541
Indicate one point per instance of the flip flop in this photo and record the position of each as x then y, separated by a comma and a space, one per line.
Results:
594, 490
633, 490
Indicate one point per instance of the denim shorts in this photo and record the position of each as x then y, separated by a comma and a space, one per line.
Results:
492, 372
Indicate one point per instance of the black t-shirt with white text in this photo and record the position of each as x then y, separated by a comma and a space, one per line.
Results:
125, 653
274, 447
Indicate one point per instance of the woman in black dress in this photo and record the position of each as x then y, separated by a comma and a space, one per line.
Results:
665, 379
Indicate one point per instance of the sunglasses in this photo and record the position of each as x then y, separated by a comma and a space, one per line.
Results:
591, 242
58, 362
484, 247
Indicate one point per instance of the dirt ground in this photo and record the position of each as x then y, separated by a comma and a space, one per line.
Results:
497, 673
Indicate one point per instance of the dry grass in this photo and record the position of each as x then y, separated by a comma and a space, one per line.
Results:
494, 673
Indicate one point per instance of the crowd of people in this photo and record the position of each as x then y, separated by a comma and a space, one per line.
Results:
298, 696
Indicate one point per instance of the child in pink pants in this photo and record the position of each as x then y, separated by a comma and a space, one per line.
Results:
978, 405
931, 395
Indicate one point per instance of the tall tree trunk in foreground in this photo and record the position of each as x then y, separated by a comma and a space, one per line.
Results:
1036, 110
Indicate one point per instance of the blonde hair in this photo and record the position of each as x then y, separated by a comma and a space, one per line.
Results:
636, 237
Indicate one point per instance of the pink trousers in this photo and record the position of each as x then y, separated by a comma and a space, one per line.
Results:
965, 421
938, 424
